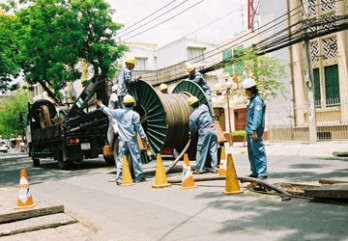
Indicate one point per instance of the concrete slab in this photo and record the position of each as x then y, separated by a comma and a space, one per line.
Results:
335, 191
33, 224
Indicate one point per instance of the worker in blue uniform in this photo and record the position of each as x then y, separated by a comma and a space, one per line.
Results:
196, 77
128, 127
113, 126
255, 127
125, 79
201, 121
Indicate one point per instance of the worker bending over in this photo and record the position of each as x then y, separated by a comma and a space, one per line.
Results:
200, 120
196, 77
128, 125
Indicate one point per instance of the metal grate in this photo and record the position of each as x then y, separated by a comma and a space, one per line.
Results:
314, 49
327, 5
329, 47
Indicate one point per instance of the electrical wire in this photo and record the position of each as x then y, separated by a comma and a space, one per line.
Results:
237, 41
263, 47
151, 14
216, 20
151, 20
168, 19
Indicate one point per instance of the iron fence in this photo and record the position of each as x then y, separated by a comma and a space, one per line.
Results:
331, 123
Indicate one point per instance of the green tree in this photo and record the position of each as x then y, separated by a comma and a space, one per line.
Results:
266, 70
54, 35
13, 114
8, 48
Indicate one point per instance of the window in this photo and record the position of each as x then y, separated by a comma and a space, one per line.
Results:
141, 63
332, 90
195, 53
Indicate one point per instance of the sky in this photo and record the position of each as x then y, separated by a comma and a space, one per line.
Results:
212, 21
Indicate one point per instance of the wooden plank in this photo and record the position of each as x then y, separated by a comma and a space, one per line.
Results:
30, 213
326, 181
335, 191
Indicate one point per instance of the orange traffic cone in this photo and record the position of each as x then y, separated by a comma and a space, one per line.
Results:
25, 200
126, 174
160, 178
232, 184
187, 177
222, 166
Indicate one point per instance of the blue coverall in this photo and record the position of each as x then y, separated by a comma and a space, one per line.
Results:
128, 127
124, 80
200, 120
113, 127
256, 149
198, 78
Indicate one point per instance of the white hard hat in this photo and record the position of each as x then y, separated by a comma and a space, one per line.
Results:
248, 83
114, 87
163, 87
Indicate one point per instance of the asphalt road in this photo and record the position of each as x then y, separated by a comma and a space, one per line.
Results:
109, 212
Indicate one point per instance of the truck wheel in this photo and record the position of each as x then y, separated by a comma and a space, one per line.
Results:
36, 162
62, 162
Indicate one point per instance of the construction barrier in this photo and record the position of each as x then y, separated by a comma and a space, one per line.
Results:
232, 184
187, 177
126, 174
25, 199
160, 177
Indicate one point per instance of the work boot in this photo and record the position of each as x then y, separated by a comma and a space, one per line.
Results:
262, 177
214, 170
143, 179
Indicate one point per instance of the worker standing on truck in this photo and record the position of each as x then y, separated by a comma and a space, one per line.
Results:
196, 77
128, 126
125, 79
200, 120
113, 126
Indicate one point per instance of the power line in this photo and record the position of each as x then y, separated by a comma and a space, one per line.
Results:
239, 40
274, 45
216, 20
151, 20
139, 21
168, 19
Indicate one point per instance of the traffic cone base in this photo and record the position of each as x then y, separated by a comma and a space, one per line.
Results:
25, 199
232, 184
160, 177
191, 187
222, 165
187, 177
126, 174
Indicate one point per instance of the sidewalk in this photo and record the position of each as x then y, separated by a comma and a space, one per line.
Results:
322, 149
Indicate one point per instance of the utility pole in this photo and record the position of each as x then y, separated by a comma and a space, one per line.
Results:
312, 128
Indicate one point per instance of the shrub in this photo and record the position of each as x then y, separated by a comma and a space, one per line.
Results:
241, 133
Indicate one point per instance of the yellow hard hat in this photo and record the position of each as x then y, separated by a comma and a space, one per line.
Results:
163, 87
130, 60
192, 100
190, 68
128, 99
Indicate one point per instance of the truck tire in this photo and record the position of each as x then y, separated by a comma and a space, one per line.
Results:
63, 163
36, 162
